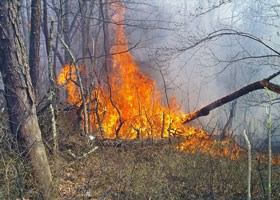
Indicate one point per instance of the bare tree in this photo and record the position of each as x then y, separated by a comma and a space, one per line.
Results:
34, 47
19, 94
66, 30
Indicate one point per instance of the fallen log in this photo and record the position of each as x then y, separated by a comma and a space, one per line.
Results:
204, 111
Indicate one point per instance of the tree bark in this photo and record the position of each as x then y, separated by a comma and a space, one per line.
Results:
66, 31
45, 26
34, 47
204, 111
52, 93
24, 25
19, 94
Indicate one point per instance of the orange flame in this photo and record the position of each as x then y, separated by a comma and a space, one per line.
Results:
68, 77
139, 102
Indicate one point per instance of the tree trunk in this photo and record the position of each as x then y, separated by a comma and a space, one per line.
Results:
249, 165
66, 31
19, 94
45, 26
52, 93
204, 111
24, 25
34, 47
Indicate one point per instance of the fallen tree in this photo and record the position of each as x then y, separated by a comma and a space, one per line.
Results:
265, 83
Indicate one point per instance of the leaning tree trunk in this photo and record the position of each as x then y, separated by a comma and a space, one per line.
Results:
262, 84
19, 94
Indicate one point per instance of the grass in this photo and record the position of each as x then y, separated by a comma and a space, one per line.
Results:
151, 172
159, 173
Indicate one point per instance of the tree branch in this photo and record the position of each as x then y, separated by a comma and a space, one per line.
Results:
228, 32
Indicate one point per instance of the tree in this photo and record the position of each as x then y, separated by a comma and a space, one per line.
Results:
66, 32
34, 47
19, 94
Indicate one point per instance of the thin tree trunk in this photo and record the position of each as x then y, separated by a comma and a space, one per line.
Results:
66, 33
45, 26
104, 17
81, 87
34, 48
249, 166
19, 94
52, 93
228, 124
269, 164
85, 29
268, 114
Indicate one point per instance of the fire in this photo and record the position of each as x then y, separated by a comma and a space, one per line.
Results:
134, 93
203, 143
135, 103
68, 77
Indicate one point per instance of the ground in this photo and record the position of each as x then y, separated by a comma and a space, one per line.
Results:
157, 172
148, 171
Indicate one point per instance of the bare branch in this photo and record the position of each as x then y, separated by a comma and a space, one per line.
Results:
227, 32
109, 54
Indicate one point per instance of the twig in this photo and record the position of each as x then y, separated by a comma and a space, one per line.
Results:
80, 157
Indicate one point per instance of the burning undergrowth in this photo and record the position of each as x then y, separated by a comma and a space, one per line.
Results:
129, 105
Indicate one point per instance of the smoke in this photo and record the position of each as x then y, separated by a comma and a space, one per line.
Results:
207, 72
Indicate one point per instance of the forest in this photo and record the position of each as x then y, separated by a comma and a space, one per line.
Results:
139, 99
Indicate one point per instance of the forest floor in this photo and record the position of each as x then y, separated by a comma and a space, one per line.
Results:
154, 171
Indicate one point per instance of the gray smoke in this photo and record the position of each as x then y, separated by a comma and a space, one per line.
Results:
215, 68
